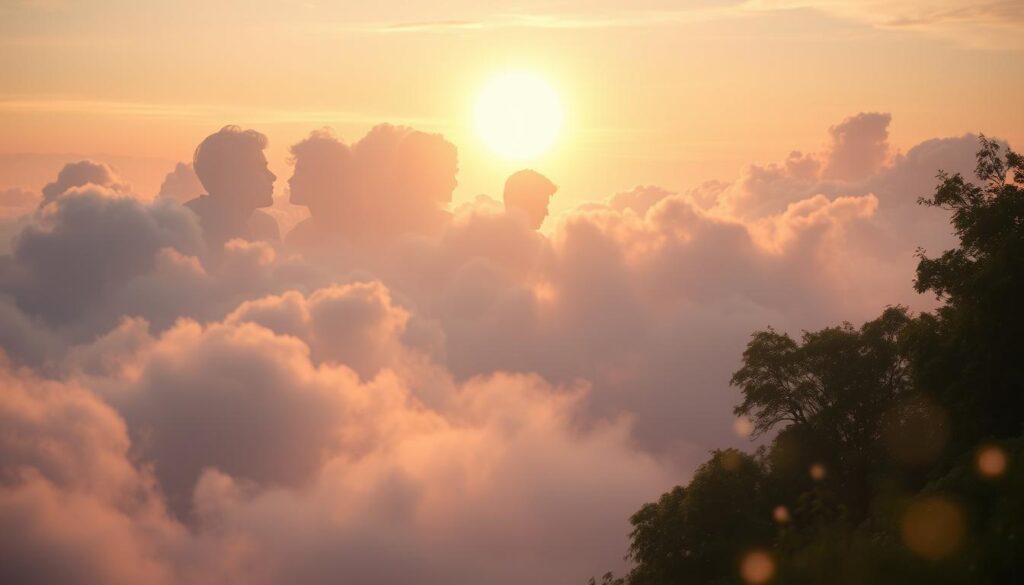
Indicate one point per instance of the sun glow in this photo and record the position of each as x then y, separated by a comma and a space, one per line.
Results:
518, 115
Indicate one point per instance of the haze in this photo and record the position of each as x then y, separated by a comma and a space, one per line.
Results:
277, 305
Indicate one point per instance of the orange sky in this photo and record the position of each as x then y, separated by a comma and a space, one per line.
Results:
667, 93
395, 394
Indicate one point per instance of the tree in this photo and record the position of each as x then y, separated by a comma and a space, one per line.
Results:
839, 378
971, 358
697, 534
833, 388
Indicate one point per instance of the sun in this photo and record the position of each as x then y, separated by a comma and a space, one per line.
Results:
518, 115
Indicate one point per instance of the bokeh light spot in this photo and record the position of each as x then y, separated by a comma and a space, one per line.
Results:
781, 515
743, 427
817, 472
991, 461
933, 527
757, 567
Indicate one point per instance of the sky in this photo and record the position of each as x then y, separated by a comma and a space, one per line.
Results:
398, 376
657, 92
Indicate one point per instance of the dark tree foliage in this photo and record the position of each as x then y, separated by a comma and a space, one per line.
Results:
973, 358
893, 417
832, 390
695, 534
837, 381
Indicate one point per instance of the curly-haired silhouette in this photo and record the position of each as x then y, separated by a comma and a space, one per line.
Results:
394, 181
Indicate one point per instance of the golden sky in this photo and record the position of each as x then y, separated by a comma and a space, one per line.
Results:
392, 393
655, 91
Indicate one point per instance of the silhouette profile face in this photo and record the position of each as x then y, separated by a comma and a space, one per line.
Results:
529, 192
302, 185
232, 168
256, 183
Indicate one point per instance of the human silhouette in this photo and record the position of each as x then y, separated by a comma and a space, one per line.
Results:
393, 182
232, 168
323, 182
527, 193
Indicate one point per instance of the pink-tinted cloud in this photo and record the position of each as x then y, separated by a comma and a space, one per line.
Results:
477, 401
181, 184
859, 147
80, 174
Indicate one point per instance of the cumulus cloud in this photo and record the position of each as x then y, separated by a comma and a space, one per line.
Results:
84, 245
859, 147
63, 434
424, 395
80, 174
231, 398
94, 256
356, 325
296, 470
182, 184
74, 509
468, 498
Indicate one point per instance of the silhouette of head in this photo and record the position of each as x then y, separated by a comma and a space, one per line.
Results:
427, 166
321, 174
231, 166
529, 192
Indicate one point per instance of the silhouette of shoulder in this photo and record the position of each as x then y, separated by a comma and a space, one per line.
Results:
263, 227
216, 221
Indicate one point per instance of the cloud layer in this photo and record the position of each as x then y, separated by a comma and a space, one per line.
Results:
475, 402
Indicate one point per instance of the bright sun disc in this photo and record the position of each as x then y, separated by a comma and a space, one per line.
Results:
518, 115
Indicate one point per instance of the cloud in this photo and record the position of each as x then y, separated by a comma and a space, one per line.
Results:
63, 434
476, 401
859, 147
467, 498
181, 184
992, 24
231, 398
356, 325
74, 509
80, 174
86, 243
295, 470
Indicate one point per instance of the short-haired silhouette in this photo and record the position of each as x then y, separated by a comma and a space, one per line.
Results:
528, 192
232, 168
